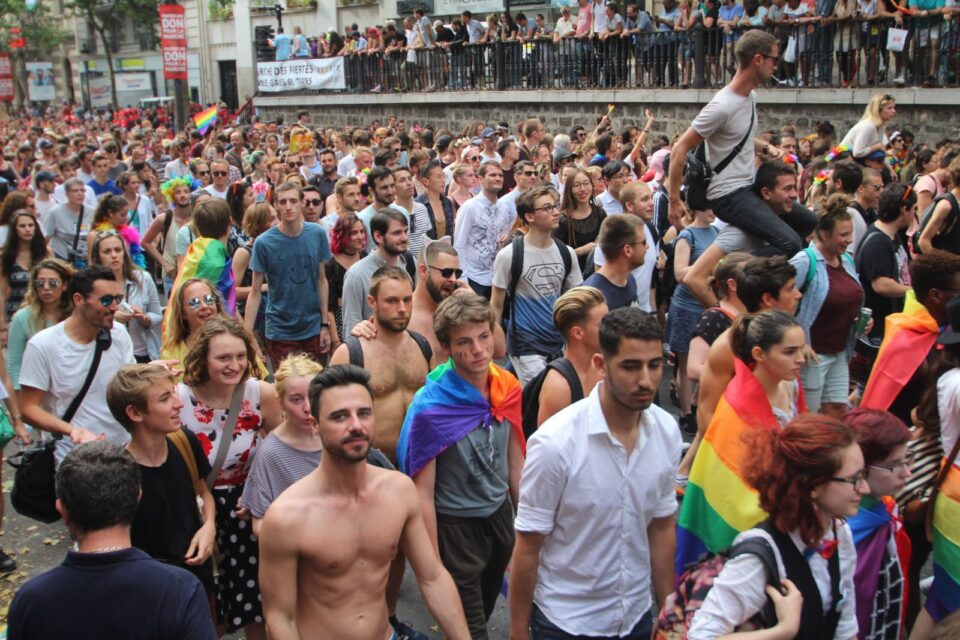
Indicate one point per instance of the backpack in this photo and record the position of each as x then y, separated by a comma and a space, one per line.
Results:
695, 583
356, 350
949, 237
812, 268
516, 271
530, 404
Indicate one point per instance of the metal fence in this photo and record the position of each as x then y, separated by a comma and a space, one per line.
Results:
850, 53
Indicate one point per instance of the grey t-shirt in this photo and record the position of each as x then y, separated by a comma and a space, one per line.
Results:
60, 227
723, 124
733, 239
471, 475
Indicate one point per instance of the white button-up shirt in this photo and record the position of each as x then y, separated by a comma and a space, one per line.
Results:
594, 503
480, 223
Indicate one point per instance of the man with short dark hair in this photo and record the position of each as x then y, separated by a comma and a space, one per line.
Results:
132, 595
179, 166
481, 230
326, 181
383, 187
101, 182
624, 246
312, 204
615, 175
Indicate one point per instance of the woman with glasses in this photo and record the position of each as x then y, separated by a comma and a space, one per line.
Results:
140, 310
883, 548
112, 214
348, 241
580, 216
220, 366
830, 307
45, 304
25, 247
810, 477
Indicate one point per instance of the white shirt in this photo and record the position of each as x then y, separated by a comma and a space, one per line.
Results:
347, 166
610, 204
948, 404
642, 275
494, 158
594, 503
479, 226
54, 363
216, 194
176, 169
739, 591
43, 207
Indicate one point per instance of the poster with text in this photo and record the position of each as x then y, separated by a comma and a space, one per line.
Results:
40, 84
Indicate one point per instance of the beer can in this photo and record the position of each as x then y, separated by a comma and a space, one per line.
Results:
862, 319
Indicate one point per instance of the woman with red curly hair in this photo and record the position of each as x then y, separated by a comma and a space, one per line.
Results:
883, 547
809, 477
348, 241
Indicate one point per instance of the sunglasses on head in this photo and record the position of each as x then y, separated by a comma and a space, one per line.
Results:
108, 300
208, 300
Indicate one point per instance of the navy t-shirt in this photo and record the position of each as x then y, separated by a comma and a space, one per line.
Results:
291, 266
616, 296
121, 595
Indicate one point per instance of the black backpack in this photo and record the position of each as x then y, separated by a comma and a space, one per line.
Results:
356, 350
530, 404
949, 237
516, 271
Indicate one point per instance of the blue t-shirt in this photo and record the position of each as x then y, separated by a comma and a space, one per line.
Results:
108, 187
730, 13
119, 594
699, 238
617, 297
283, 44
291, 266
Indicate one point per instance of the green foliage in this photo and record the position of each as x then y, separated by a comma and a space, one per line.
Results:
41, 29
220, 9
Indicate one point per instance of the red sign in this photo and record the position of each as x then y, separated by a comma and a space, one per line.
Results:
16, 40
6, 78
173, 40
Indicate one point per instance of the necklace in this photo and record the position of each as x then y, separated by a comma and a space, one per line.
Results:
106, 549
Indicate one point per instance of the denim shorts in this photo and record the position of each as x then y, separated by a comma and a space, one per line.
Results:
826, 381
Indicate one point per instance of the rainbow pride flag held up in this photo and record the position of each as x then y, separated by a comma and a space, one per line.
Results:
944, 596
448, 407
206, 119
908, 338
207, 258
718, 504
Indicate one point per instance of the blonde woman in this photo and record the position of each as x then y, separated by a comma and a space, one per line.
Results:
869, 135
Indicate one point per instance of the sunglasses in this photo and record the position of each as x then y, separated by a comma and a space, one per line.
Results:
294, 165
208, 300
448, 272
47, 283
108, 300
313, 202
221, 174
529, 173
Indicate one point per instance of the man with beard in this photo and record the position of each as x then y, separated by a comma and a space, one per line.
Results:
617, 444
346, 199
327, 180
389, 228
363, 514
383, 187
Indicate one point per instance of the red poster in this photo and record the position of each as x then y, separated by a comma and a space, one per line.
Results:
6, 78
173, 40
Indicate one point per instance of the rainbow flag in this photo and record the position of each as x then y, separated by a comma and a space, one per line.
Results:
207, 258
908, 338
206, 119
944, 596
448, 407
718, 504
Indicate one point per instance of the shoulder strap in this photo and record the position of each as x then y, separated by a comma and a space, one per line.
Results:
410, 265
565, 367
736, 150
101, 344
179, 440
355, 350
76, 235
226, 436
167, 221
516, 270
811, 269
760, 548
424, 345
567, 261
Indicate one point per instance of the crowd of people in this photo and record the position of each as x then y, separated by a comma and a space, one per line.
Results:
595, 43
362, 349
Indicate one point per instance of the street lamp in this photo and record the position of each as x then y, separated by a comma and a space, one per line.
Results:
278, 9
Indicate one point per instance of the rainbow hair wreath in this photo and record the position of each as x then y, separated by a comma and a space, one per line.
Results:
171, 185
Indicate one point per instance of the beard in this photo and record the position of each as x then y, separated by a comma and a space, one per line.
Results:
396, 325
435, 291
348, 452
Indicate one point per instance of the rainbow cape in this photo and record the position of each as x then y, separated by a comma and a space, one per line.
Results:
448, 407
944, 596
207, 258
718, 504
907, 340
206, 119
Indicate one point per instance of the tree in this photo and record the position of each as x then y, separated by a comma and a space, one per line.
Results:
41, 35
103, 15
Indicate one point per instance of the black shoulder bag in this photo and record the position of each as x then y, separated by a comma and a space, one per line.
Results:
699, 173
77, 258
34, 488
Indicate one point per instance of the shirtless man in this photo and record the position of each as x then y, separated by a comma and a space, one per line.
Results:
762, 283
363, 515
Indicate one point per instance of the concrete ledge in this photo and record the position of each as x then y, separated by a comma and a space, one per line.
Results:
912, 96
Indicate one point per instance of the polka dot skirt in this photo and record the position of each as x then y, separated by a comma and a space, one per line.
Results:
238, 587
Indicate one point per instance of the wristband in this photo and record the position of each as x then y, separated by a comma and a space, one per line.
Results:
325, 324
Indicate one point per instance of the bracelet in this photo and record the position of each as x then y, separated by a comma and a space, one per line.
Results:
325, 324
646, 130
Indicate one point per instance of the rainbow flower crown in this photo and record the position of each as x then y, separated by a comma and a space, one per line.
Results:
835, 153
171, 185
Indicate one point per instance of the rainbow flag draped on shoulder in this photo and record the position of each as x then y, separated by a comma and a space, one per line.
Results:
944, 596
448, 407
718, 504
208, 258
908, 338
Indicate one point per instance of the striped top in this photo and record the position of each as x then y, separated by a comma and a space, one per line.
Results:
276, 467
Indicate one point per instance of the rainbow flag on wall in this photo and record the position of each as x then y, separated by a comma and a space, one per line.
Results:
944, 596
208, 258
907, 339
206, 119
718, 504
448, 407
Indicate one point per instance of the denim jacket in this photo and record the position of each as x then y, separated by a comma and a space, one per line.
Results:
816, 291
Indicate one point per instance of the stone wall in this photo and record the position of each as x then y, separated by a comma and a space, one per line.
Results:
931, 114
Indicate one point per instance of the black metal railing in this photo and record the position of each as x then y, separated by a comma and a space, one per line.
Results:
848, 53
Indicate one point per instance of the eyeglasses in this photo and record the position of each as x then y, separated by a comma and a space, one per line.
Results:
876, 187
108, 300
208, 300
855, 480
908, 460
582, 185
47, 283
547, 207
528, 173
473, 159
294, 165
313, 202
448, 272
221, 174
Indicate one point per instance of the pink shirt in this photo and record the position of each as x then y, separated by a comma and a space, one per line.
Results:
583, 21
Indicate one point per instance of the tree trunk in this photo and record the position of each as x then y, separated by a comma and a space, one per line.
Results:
102, 32
20, 80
